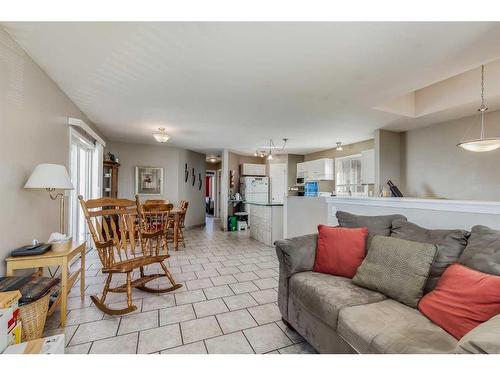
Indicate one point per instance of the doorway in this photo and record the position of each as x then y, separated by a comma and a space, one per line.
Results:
210, 196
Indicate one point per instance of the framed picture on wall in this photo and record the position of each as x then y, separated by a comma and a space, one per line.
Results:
148, 180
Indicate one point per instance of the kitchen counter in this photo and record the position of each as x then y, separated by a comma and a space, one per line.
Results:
263, 204
265, 221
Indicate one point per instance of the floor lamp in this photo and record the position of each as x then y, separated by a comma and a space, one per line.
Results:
51, 177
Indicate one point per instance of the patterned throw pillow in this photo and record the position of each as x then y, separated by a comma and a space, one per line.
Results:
450, 245
397, 268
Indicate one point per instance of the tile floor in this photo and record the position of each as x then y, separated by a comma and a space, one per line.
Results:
228, 304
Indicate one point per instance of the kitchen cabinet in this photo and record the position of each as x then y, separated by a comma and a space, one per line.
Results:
316, 170
249, 169
368, 167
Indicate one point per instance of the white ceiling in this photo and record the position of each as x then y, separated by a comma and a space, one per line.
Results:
235, 85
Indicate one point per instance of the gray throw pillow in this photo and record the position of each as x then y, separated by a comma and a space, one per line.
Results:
450, 245
380, 225
483, 250
396, 268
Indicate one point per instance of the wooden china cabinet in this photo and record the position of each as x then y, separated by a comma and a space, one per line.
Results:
110, 179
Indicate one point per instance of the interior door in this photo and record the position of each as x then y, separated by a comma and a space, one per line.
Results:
84, 176
277, 176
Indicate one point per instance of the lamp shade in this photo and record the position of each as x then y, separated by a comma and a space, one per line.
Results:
49, 176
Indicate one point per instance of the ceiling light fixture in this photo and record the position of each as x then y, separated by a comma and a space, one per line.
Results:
339, 146
269, 152
161, 135
481, 144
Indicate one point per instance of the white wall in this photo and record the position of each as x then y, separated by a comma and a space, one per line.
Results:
387, 159
33, 130
193, 194
172, 160
432, 166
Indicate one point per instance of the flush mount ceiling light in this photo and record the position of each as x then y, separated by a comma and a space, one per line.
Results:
161, 135
213, 158
481, 144
339, 146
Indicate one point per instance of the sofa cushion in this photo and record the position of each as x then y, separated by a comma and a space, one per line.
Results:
481, 340
340, 251
324, 295
463, 299
450, 245
397, 268
391, 327
380, 225
483, 250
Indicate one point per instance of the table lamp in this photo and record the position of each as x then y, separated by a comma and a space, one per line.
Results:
51, 177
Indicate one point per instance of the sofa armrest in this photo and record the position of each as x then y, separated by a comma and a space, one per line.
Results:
484, 339
295, 255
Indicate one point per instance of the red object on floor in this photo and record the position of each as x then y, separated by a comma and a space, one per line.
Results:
462, 299
340, 251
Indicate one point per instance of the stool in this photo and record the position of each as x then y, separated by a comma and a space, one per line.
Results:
242, 220
242, 225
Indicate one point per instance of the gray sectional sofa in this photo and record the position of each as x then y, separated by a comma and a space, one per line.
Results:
336, 316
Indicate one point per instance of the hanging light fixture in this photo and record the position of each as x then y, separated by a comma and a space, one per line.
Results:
481, 144
269, 153
161, 135
339, 146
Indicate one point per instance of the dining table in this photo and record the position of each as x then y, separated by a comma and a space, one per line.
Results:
175, 213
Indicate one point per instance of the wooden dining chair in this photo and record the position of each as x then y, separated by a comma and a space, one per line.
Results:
182, 217
124, 245
157, 217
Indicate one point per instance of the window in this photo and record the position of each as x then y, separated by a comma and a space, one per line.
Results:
348, 175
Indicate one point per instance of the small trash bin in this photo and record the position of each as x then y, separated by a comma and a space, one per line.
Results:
232, 223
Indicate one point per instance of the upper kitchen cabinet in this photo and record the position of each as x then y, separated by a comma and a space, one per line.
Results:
249, 169
316, 170
368, 167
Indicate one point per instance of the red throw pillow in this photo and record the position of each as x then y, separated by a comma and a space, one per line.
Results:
340, 251
462, 299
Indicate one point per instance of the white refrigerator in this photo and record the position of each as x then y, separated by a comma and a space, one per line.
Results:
255, 189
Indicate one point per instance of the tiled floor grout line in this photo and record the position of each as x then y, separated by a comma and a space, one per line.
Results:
137, 343
230, 251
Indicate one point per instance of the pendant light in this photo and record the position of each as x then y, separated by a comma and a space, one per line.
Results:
339, 146
161, 136
481, 144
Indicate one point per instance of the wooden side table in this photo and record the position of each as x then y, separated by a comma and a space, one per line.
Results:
61, 259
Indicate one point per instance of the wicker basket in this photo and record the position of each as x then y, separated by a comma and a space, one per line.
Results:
33, 317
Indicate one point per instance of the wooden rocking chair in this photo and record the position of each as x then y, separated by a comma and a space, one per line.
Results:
123, 245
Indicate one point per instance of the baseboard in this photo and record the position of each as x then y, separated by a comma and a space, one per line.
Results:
194, 226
